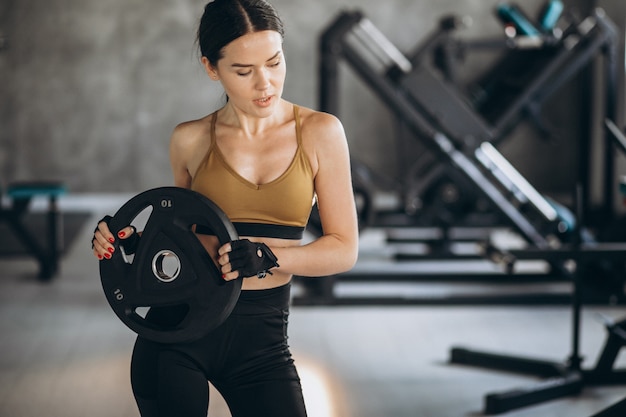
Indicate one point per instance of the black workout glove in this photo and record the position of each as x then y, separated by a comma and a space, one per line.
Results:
251, 258
129, 244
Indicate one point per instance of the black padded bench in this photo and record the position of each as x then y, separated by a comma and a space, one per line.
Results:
18, 201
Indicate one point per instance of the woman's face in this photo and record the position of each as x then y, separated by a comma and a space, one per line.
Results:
252, 72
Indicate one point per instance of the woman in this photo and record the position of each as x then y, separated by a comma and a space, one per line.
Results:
263, 160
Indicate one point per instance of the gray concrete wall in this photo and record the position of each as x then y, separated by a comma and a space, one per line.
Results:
91, 90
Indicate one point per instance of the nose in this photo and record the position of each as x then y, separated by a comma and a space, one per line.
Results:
263, 80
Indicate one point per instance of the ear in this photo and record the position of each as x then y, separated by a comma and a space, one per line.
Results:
210, 69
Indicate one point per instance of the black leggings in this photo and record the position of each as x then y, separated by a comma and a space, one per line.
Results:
247, 359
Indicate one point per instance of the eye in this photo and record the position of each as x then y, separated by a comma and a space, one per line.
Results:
243, 74
275, 64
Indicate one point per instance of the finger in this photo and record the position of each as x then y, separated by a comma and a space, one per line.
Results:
126, 232
102, 241
97, 254
230, 276
102, 246
105, 252
225, 249
103, 228
222, 260
101, 252
225, 268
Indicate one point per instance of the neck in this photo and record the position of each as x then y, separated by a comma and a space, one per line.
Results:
249, 124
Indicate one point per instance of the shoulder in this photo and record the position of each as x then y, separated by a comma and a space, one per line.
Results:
188, 142
323, 129
190, 134
323, 138
192, 129
315, 120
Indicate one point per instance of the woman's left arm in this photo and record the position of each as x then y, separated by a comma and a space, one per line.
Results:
337, 249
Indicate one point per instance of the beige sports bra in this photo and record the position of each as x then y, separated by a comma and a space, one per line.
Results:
280, 208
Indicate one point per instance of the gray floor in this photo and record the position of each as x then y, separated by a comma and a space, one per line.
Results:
65, 354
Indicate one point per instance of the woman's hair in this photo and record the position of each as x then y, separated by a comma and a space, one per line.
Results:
224, 21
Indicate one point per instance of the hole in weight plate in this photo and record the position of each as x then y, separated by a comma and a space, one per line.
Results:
166, 266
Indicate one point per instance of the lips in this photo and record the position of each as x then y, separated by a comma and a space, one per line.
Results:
263, 100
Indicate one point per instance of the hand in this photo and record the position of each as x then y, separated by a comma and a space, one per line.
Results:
243, 258
103, 239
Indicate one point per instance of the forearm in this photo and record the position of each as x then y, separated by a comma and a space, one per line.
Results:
328, 255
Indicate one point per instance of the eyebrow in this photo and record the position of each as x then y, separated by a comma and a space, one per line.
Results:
250, 65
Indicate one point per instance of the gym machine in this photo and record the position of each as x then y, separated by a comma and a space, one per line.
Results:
429, 102
569, 378
463, 135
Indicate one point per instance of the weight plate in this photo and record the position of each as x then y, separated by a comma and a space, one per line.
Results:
171, 275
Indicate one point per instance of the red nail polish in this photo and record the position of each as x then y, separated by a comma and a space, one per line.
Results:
111, 250
107, 255
99, 257
111, 240
223, 276
121, 234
